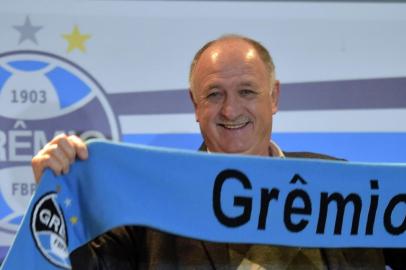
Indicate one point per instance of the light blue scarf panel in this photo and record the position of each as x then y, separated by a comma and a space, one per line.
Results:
214, 197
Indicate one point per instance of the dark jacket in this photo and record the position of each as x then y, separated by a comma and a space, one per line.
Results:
133, 247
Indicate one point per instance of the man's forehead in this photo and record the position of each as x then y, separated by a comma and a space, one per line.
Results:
227, 58
230, 48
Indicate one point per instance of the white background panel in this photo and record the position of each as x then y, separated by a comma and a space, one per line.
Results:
138, 46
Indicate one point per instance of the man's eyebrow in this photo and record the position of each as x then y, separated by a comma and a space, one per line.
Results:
212, 85
247, 83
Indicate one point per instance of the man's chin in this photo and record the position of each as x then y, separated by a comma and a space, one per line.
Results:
233, 149
241, 150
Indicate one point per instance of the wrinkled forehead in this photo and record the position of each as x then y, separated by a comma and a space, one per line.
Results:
228, 58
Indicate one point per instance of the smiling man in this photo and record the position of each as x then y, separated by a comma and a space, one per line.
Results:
235, 95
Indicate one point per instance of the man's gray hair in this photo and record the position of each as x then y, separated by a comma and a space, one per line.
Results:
261, 50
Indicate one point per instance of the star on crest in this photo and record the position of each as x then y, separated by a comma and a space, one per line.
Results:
76, 40
67, 202
27, 31
73, 220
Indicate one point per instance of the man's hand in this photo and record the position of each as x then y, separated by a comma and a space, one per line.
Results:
58, 154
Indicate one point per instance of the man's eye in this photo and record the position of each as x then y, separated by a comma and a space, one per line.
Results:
247, 92
214, 95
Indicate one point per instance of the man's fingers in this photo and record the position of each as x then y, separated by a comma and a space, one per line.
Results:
68, 149
59, 157
39, 163
37, 168
56, 159
55, 166
72, 146
59, 154
80, 147
58, 138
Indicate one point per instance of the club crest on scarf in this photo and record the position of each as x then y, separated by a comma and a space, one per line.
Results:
49, 230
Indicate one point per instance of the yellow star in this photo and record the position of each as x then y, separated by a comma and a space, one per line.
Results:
76, 40
74, 220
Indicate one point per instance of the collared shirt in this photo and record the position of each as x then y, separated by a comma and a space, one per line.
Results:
275, 150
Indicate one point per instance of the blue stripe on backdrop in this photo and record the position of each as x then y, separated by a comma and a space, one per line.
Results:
367, 147
379, 93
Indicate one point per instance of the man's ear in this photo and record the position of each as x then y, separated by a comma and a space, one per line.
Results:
194, 104
275, 96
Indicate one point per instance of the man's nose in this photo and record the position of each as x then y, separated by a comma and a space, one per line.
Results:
231, 107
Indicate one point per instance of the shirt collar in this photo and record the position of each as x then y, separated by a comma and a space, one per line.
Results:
274, 150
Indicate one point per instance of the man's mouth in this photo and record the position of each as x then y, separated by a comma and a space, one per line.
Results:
234, 125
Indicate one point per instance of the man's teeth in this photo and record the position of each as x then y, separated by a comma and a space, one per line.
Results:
234, 126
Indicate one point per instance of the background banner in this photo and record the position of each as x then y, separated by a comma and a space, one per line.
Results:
119, 69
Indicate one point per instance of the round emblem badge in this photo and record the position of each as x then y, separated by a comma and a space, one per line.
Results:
49, 230
42, 95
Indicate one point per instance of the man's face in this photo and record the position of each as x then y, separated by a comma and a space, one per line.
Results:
233, 99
